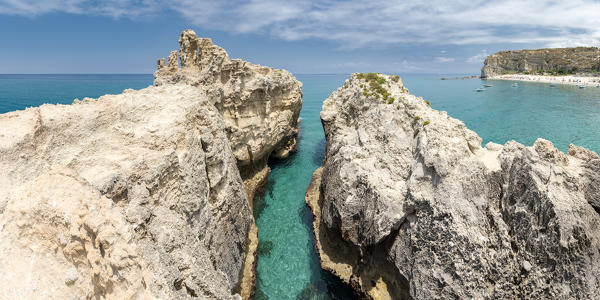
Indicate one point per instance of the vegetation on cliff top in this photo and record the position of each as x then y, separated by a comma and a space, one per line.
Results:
376, 86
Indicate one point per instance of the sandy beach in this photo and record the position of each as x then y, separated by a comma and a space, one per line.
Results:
572, 80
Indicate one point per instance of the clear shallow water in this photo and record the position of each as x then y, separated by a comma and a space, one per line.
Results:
563, 114
288, 267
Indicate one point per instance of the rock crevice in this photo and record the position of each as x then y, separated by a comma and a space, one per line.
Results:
260, 107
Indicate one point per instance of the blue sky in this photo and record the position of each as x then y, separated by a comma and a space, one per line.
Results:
303, 36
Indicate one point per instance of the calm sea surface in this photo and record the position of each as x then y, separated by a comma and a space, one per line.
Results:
21, 91
288, 267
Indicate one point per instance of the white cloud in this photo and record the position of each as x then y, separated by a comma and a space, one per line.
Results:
478, 58
404, 66
444, 59
112, 8
359, 23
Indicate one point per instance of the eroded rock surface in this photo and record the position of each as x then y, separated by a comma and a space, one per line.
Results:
411, 206
260, 105
146, 194
563, 60
127, 196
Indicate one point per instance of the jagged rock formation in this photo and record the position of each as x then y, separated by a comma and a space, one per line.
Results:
127, 196
410, 206
144, 194
260, 105
561, 60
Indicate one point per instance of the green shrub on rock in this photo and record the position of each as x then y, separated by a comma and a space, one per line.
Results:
375, 85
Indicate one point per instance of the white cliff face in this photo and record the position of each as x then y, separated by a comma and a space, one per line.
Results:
411, 206
260, 105
564, 60
134, 195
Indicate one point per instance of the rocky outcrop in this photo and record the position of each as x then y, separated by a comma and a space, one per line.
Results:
145, 194
410, 206
126, 196
260, 105
557, 60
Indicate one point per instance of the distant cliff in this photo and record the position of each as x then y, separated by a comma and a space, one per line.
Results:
556, 61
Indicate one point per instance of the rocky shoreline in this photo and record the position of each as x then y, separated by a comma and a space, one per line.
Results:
408, 205
372, 279
149, 194
252, 99
146, 194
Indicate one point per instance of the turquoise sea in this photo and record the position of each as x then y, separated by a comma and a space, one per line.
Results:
21, 91
288, 267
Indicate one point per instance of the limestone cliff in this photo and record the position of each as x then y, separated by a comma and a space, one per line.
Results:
126, 196
410, 206
556, 60
260, 105
145, 194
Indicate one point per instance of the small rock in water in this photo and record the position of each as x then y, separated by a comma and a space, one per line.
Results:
312, 292
265, 247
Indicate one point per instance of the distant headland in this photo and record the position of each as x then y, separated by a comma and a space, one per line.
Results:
577, 66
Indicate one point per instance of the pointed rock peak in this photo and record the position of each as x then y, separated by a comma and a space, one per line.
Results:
188, 48
196, 60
